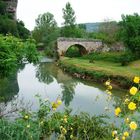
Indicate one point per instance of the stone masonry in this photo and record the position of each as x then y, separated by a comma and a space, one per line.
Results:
89, 44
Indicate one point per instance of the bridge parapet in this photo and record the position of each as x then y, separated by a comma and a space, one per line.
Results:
89, 44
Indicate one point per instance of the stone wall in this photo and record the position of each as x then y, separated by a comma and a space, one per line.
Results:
89, 44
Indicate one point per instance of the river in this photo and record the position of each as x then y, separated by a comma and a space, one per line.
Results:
49, 81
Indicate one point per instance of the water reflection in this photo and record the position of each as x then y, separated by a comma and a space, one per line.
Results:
68, 92
47, 72
8, 88
44, 73
48, 80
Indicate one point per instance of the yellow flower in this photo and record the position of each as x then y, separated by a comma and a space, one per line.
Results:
107, 83
26, 117
136, 79
132, 106
109, 87
114, 133
28, 126
41, 122
59, 102
54, 108
65, 120
71, 128
61, 127
64, 131
54, 105
133, 125
123, 138
126, 134
116, 138
126, 101
71, 136
109, 92
127, 120
117, 111
133, 90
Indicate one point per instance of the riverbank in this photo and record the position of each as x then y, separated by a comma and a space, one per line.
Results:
100, 71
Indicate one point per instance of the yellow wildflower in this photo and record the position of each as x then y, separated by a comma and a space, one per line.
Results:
123, 138
26, 117
114, 133
61, 127
71, 136
116, 138
54, 105
126, 134
65, 120
42, 122
109, 92
133, 90
126, 101
133, 125
107, 83
54, 108
109, 87
132, 106
59, 102
127, 120
136, 79
28, 126
117, 111
64, 131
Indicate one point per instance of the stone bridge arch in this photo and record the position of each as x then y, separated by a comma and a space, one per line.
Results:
89, 44
80, 46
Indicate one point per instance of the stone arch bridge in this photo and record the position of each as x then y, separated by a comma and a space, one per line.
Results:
85, 45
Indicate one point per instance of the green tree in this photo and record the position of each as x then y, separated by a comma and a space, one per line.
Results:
69, 21
70, 29
46, 32
2, 7
13, 51
69, 15
23, 32
130, 32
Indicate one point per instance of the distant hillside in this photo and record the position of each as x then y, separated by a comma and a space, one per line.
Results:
92, 27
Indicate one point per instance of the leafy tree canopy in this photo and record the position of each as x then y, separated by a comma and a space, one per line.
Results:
130, 32
69, 15
46, 32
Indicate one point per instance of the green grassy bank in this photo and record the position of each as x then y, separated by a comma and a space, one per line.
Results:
101, 71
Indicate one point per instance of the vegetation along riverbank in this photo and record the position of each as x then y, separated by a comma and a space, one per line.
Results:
100, 70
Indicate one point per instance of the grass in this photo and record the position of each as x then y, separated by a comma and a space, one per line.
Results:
106, 56
106, 68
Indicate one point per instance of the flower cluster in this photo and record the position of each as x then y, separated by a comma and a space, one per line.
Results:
56, 104
127, 110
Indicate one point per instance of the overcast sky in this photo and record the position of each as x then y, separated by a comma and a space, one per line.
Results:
85, 10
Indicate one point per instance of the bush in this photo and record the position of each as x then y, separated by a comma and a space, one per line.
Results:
46, 121
12, 52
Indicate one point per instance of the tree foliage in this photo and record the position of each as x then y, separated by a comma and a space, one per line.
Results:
107, 32
70, 29
69, 15
10, 25
46, 32
130, 32
13, 51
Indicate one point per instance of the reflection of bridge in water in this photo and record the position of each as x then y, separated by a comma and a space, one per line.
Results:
85, 45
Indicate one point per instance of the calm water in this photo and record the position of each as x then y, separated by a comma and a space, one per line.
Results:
49, 81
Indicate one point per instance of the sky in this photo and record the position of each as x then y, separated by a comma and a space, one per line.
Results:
86, 11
